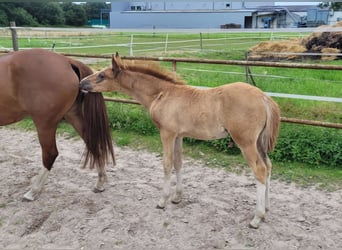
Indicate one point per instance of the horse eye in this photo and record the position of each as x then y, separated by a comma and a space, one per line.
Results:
100, 77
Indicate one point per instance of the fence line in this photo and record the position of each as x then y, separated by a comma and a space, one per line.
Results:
199, 43
241, 63
283, 119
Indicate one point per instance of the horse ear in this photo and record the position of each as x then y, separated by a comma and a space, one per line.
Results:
116, 62
116, 68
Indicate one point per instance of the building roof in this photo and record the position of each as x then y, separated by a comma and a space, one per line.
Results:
290, 8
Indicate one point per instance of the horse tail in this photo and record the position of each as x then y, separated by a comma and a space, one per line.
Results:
96, 130
268, 136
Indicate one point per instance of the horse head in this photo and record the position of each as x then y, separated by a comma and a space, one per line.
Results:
105, 80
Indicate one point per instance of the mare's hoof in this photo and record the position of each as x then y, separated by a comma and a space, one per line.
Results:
96, 190
159, 207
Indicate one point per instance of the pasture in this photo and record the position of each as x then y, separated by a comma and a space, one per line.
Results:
68, 214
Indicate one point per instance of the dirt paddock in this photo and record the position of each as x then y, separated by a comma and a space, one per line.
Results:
214, 214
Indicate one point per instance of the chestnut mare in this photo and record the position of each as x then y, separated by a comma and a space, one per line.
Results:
178, 110
44, 85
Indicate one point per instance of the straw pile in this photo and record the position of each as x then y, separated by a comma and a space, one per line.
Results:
322, 41
276, 50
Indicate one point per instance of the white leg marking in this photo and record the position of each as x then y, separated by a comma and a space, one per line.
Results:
260, 206
179, 187
102, 178
267, 200
37, 185
166, 192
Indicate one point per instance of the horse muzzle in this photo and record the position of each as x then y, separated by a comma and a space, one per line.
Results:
85, 86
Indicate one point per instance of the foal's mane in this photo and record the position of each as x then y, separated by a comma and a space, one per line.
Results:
153, 69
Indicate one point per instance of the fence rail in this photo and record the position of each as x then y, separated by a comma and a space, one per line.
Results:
240, 63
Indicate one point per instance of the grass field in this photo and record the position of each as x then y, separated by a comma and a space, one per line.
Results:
132, 126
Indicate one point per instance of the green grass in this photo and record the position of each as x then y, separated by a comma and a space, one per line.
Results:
131, 124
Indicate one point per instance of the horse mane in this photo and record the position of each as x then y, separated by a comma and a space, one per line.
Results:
153, 69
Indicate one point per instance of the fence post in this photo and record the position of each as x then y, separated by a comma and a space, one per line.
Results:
131, 46
166, 42
201, 44
246, 67
14, 36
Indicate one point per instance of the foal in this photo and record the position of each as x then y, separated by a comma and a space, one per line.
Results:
178, 110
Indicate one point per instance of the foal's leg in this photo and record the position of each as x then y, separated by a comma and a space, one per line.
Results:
260, 172
178, 166
168, 141
47, 142
268, 183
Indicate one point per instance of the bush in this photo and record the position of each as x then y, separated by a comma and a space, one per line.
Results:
312, 145
130, 118
296, 143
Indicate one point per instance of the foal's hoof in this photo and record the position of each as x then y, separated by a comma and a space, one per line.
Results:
29, 196
96, 190
254, 226
176, 201
160, 207
256, 222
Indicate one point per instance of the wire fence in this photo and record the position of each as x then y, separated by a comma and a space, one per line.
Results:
138, 43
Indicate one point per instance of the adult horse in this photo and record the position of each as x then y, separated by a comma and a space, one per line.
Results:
239, 109
45, 86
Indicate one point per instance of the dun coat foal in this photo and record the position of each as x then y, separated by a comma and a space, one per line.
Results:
178, 110
44, 85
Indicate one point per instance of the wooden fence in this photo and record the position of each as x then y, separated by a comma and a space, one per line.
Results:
241, 63
245, 63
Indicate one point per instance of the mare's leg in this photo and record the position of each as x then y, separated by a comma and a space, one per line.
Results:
75, 119
260, 172
47, 142
168, 141
178, 166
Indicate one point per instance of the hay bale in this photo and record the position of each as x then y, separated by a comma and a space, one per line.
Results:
271, 50
329, 57
318, 42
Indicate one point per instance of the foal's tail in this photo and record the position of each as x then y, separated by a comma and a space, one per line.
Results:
96, 131
268, 136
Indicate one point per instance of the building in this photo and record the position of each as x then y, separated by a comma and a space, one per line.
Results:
212, 14
182, 14
289, 16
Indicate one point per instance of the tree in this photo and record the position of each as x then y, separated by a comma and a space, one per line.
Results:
21, 17
3, 18
74, 14
336, 6
331, 5
93, 10
50, 13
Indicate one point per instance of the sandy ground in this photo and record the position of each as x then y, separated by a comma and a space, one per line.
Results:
214, 214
